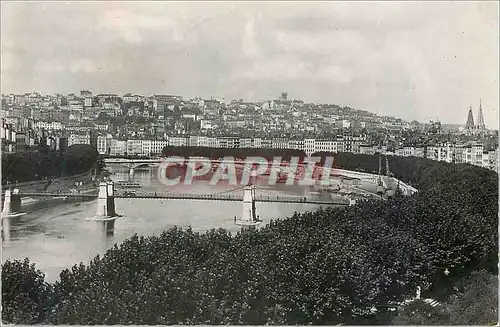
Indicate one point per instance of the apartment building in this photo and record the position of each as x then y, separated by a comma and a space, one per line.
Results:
441, 152
78, 139
477, 154
157, 146
134, 147
178, 141
229, 142
213, 142
280, 143
266, 143
493, 160
327, 146
296, 144
309, 146
118, 147
410, 151
104, 144
367, 149
257, 143
53, 126
246, 143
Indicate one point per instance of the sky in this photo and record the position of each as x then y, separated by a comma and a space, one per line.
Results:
414, 60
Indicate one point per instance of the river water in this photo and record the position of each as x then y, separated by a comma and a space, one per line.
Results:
59, 236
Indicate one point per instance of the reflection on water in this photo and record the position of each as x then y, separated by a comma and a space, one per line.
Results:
57, 237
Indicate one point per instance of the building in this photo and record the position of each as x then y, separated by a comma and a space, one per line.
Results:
309, 146
157, 146
366, 149
75, 105
246, 143
85, 94
118, 147
477, 154
493, 160
132, 98
134, 147
326, 146
411, 151
161, 102
178, 141
441, 152
280, 143
229, 142
51, 126
79, 139
87, 102
104, 144
296, 144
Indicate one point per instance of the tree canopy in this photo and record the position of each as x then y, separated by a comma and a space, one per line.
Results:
36, 165
475, 303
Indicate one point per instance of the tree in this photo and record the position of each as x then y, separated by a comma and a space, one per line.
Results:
35, 165
477, 301
25, 294
421, 313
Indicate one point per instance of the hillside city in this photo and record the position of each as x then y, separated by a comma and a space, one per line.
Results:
138, 125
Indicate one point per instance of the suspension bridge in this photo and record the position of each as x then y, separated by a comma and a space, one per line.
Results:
106, 194
233, 194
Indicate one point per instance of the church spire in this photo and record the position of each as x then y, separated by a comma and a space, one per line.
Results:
470, 120
480, 118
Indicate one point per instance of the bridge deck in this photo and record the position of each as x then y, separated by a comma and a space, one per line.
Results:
205, 197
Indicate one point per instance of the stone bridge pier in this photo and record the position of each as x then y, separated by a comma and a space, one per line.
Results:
11, 208
11, 203
106, 211
248, 214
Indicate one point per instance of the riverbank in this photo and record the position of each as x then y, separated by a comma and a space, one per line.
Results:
29, 203
81, 183
85, 178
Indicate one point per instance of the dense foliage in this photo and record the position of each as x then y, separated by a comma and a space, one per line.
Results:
475, 303
242, 153
36, 165
326, 267
25, 294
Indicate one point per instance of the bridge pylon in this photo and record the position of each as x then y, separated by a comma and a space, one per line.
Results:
12, 203
11, 208
106, 211
248, 215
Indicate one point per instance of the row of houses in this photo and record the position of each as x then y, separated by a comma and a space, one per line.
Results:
106, 144
473, 153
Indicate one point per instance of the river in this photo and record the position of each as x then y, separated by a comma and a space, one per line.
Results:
57, 237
